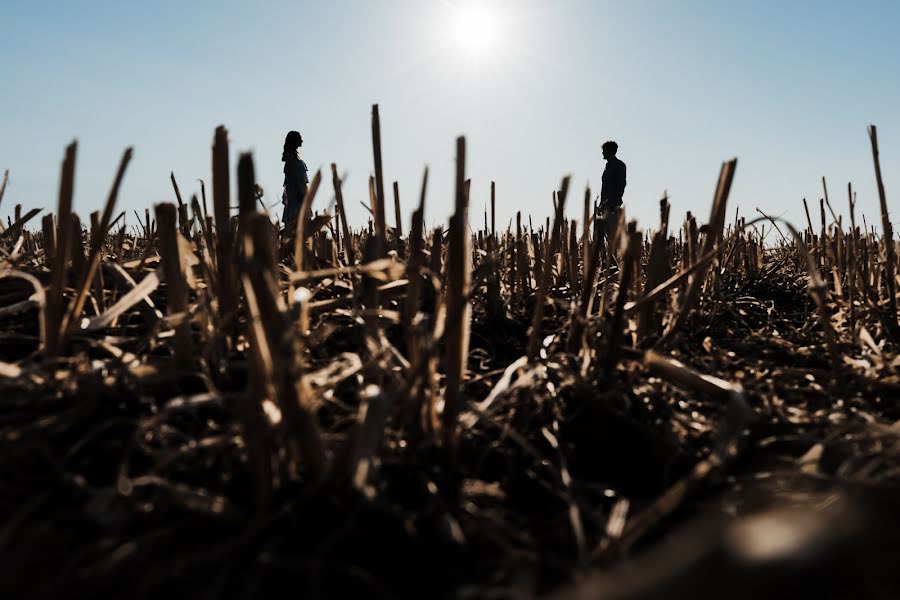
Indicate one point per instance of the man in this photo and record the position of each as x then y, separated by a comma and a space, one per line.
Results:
613, 179
611, 193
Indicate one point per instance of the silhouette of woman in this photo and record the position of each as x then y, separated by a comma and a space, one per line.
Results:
295, 177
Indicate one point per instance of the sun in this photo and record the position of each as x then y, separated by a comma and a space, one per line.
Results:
475, 41
475, 29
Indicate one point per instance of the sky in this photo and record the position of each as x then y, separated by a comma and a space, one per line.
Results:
536, 86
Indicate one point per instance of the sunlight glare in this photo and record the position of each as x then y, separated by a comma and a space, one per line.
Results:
475, 28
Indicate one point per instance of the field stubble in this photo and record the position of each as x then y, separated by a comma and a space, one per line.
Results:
203, 404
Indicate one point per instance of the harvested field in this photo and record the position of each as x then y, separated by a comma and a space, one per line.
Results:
203, 405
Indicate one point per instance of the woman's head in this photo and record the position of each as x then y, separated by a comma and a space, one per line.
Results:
292, 141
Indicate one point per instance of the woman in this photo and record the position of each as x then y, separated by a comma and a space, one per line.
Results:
295, 177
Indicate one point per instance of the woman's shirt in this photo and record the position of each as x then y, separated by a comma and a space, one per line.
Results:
295, 176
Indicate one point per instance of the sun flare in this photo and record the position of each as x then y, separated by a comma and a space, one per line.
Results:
478, 40
475, 29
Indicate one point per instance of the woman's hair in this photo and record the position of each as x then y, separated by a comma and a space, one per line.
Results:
291, 143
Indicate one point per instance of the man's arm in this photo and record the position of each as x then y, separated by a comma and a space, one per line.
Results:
606, 204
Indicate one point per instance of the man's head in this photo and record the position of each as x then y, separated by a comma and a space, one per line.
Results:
609, 150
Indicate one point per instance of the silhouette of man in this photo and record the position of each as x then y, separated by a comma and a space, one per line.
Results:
613, 179
611, 193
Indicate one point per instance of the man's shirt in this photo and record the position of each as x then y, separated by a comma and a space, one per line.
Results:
613, 182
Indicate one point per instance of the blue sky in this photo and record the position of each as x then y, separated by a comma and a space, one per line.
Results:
787, 87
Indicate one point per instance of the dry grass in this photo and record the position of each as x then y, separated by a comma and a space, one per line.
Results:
207, 404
